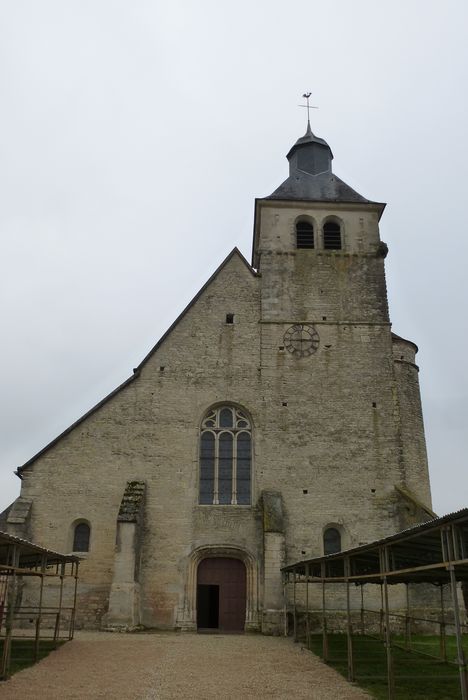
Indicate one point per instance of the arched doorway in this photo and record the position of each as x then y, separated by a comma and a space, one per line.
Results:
221, 594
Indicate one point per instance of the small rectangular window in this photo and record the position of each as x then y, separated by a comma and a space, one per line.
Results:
229, 318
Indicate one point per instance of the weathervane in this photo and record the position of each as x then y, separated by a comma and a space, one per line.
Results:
308, 106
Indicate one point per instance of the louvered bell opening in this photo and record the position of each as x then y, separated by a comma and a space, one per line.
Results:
332, 236
304, 235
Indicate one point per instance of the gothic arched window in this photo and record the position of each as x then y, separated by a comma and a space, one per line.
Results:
81, 535
225, 457
331, 541
332, 236
304, 234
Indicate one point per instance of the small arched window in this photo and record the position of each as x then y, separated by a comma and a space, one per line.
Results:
304, 234
332, 236
225, 457
81, 535
331, 541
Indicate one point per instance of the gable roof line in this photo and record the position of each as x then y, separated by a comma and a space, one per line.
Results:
137, 369
71, 427
195, 298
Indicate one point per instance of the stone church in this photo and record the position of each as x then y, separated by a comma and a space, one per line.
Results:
278, 418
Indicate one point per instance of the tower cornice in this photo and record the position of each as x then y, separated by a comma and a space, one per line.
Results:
307, 205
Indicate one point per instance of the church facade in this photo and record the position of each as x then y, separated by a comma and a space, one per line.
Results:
277, 419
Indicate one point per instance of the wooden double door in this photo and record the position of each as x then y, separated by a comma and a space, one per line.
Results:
221, 594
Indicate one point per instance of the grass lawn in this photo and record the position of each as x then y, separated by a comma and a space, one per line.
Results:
22, 652
417, 677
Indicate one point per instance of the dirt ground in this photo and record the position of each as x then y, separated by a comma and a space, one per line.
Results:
170, 665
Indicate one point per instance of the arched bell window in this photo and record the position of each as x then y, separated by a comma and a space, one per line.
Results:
304, 234
331, 541
81, 535
332, 235
225, 457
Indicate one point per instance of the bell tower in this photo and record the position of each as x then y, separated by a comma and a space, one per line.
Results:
343, 394
317, 244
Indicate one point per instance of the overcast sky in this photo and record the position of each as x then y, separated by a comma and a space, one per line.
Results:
134, 137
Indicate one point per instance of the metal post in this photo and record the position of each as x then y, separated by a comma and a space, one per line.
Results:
349, 629
59, 614
388, 645
324, 615
407, 620
458, 631
307, 608
443, 641
362, 609
10, 598
381, 616
73, 613
39, 616
294, 606
454, 542
285, 602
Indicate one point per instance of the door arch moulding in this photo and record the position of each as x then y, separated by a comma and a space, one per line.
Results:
187, 618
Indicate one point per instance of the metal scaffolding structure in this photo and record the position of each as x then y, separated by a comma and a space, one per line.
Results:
20, 561
434, 552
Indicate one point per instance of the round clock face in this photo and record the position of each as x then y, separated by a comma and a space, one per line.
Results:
301, 340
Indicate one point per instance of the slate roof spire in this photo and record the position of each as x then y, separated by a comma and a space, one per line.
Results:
310, 174
310, 153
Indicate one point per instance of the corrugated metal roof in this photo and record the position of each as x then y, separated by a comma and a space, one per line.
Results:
29, 549
408, 541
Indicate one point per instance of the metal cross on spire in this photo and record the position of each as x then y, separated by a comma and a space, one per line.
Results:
308, 106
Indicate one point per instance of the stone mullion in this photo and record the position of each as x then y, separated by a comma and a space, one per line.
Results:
216, 471
234, 469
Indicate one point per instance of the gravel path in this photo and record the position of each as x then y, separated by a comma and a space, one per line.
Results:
163, 666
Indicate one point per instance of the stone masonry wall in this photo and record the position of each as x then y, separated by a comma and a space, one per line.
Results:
327, 429
413, 441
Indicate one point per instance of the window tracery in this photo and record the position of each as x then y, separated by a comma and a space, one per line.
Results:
225, 457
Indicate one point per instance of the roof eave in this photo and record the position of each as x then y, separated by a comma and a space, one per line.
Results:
409, 532
379, 206
397, 338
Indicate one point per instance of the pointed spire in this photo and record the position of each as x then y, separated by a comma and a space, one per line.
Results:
310, 139
311, 177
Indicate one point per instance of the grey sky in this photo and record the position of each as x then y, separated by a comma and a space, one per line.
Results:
134, 137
